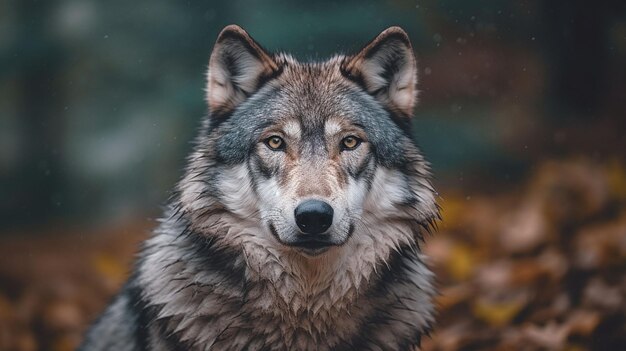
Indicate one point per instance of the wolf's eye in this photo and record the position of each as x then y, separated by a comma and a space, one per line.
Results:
350, 143
275, 143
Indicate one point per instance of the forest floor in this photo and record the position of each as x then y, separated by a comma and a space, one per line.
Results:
543, 267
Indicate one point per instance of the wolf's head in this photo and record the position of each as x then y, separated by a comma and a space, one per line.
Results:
310, 158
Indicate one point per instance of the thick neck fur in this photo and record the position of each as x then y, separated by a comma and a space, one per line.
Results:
277, 301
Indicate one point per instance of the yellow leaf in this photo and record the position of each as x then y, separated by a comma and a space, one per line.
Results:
452, 208
617, 179
109, 267
461, 262
497, 313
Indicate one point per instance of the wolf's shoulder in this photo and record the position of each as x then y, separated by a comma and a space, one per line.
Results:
118, 327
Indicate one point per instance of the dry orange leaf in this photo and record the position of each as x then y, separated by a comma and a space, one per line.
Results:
583, 322
109, 267
617, 179
453, 295
452, 208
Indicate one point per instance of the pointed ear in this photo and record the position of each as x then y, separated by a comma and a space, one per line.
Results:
387, 69
237, 68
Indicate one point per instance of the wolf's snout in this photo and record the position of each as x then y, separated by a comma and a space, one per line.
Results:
314, 216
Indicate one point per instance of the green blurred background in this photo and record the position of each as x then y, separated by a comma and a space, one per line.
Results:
99, 99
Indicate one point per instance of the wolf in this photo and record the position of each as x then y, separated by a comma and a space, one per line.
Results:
298, 221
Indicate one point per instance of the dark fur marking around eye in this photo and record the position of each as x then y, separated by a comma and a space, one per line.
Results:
265, 170
238, 139
364, 166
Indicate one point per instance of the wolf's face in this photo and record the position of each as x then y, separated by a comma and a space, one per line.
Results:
310, 154
312, 172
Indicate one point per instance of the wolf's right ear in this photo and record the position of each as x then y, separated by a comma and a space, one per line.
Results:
237, 67
387, 69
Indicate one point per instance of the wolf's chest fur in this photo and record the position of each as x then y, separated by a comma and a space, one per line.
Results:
268, 301
297, 223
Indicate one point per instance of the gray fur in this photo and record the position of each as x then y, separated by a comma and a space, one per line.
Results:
215, 276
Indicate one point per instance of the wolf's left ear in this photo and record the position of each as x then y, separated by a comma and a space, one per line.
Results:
387, 69
237, 68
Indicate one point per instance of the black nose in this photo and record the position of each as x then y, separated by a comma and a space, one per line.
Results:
314, 216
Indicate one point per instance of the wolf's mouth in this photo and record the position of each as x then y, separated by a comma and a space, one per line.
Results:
312, 244
314, 252
311, 247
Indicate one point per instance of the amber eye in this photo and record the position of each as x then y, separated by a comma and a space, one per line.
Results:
275, 143
350, 142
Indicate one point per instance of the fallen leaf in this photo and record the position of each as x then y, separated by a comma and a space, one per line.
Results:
498, 313
524, 230
551, 336
110, 268
599, 294
583, 322
461, 262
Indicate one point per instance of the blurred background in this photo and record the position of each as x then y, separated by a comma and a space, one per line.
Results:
522, 115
